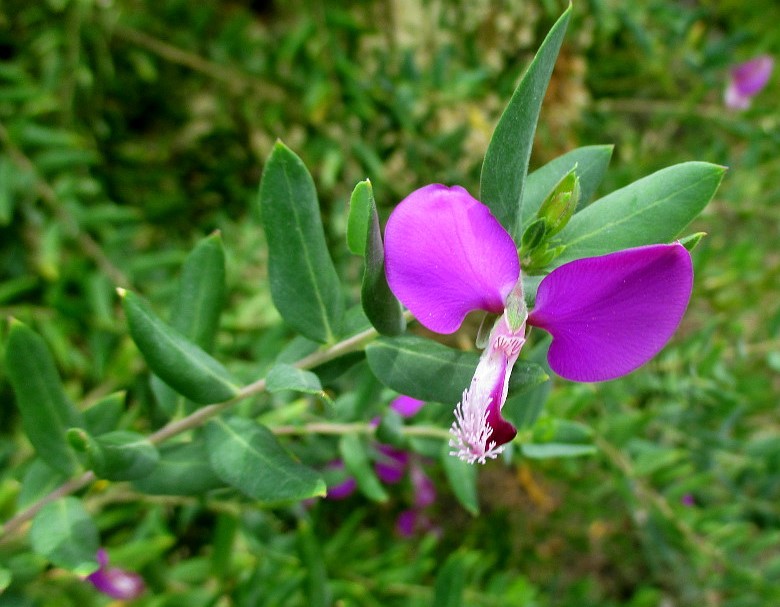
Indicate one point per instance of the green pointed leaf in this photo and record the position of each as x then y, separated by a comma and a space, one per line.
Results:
39, 480
198, 305
430, 371
691, 241
286, 377
64, 533
105, 414
116, 456
591, 162
462, 478
45, 409
247, 456
304, 285
318, 592
655, 209
356, 461
180, 363
196, 310
421, 368
183, 469
360, 203
450, 582
506, 161
551, 450
380, 305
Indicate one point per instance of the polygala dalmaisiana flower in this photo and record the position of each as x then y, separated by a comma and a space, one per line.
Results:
746, 80
446, 255
114, 582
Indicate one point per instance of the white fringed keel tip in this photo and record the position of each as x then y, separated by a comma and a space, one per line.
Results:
471, 430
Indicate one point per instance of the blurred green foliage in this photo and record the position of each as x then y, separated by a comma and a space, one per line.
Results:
130, 129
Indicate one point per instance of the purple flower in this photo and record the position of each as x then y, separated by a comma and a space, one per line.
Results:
746, 80
116, 583
446, 255
340, 485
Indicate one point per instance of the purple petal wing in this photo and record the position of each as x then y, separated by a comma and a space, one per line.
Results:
609, 315
446, 255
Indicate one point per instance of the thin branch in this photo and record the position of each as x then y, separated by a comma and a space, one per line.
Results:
236, 80
199, 417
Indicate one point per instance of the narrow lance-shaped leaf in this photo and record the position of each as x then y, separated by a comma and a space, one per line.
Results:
45, 409
179, 362
506, 161
591, 162
304, 285
104, 415
450, 582
424, 369
353, 453
380, 305
64, 533
462, 478
247, 456
116, 456
196, 310
183, 469
286, 377
655, 209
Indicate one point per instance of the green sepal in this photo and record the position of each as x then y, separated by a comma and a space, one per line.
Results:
180, 363
533, 236
360, 204
591, 162
691, 241
559, 205
45, 409
305, 287
379, 303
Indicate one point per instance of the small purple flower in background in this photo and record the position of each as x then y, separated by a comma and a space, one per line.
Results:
746, 80
446, 255
391, 467
688, 500
345, 487
116, 583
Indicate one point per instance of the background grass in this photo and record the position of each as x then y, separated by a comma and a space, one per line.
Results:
129, 129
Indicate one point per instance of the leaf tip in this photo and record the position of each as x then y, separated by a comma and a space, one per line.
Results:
121, 292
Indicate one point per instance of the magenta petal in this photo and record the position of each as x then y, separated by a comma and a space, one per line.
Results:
391, 465
446, 255
406, 406
609, 315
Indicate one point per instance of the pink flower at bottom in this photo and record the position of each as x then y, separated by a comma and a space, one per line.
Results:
114, 582
746, 80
